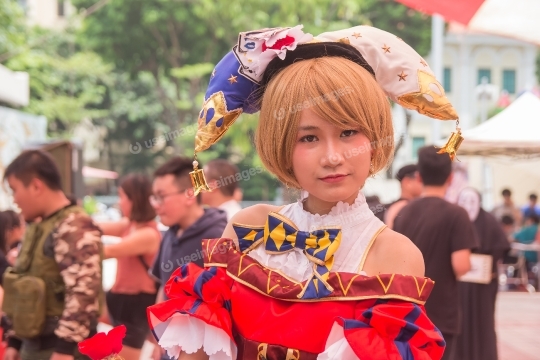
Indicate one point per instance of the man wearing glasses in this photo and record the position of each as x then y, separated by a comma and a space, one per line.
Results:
188, 221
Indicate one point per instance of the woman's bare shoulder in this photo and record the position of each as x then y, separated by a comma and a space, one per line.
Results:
394, 253
255, 215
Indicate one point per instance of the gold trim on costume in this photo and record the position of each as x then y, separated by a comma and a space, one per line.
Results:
386, 287
215, 264
420, 291
268, 289
345, 291
293, 354
329, 298
262, 349
364, 257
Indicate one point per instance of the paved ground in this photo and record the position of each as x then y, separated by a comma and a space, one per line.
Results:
518, 327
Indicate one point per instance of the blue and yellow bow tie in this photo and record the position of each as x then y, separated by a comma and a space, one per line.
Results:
280, 235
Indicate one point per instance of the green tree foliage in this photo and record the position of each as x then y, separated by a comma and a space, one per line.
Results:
64, 89
12, 26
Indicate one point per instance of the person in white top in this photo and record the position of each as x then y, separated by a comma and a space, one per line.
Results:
222, 178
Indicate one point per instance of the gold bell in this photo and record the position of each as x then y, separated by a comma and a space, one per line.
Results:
452, 145
198, 180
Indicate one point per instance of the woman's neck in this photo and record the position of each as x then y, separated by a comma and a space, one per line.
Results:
315, 205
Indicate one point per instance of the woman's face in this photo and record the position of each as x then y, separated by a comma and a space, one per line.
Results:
331, 164
124, 202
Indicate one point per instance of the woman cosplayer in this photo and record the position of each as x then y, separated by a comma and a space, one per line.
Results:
322, 278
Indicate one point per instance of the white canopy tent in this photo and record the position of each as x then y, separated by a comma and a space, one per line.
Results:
493, 148
513, 132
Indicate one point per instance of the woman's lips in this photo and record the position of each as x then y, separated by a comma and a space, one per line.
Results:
333, 178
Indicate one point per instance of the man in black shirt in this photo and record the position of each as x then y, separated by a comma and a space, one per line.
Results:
445, 235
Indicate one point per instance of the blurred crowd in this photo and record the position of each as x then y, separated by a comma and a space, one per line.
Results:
468, 252
58, 230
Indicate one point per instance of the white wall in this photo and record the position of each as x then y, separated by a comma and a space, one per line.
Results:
44, 13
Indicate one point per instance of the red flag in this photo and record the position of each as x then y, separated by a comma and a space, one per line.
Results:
461, 11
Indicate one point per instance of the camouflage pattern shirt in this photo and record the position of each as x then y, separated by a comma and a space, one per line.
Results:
77, 249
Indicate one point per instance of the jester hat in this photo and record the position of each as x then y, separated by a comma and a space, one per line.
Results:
240, 78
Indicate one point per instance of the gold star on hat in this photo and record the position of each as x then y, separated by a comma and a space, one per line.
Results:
232, 79
402, 76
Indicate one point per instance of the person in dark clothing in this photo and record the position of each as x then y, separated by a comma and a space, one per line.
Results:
478, 340
188, 221
445, 236
411, 188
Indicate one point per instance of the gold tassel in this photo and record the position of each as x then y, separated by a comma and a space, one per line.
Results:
453, 143
197, 179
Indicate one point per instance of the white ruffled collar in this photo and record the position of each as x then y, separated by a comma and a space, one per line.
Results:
339, 210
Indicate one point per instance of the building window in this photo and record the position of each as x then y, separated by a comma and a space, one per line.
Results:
447, 83
484, 73
509, 81
417, 143
61, 8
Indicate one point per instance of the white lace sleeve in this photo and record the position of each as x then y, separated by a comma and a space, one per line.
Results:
185, 333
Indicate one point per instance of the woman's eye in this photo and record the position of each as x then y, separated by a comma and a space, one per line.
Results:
308, 138
346, 133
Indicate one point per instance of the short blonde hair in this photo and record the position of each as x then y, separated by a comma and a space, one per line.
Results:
337, 90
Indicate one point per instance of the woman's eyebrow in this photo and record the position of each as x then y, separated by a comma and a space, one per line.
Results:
307, 128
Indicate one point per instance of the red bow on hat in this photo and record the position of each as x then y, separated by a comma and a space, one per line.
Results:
104, 346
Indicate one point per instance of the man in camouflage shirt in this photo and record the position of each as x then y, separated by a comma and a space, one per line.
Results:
67, 245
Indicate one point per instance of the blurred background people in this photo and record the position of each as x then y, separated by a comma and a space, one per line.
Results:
532, 208
411, 188
508, 225
445, 236
221, 177
188, 221
11, 234
527, 235
507, 208
477, 340
133, 290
